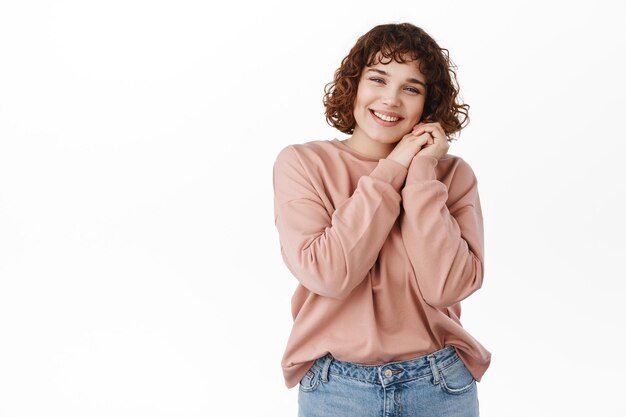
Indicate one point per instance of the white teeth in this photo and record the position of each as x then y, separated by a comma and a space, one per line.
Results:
385, 117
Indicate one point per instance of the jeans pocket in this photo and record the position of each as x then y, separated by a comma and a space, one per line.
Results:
456, 378
310, 380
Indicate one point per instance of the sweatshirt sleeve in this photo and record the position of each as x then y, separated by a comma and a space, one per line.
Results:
331, 253
442, 231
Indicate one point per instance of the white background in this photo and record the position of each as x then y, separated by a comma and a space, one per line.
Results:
140, 271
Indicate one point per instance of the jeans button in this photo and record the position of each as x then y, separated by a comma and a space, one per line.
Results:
388, 373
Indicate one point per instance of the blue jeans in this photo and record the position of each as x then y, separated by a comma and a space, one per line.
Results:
432, 385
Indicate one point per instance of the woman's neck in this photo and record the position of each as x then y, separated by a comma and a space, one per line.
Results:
369, 147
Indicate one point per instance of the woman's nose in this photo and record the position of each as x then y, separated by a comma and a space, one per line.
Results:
391, 99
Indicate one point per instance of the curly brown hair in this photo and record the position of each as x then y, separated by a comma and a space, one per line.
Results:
401, 42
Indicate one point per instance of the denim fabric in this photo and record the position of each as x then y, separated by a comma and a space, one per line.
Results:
432, 385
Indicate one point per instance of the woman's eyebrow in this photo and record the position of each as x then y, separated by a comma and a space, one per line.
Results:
410, 80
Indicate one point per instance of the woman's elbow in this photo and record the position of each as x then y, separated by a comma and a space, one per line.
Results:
447, 297
328, 284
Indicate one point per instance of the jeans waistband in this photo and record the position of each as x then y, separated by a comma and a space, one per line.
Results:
391, 372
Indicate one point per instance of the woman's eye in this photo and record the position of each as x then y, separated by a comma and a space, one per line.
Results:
382, 81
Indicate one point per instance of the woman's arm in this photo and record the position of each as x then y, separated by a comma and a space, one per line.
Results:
331, 254
442, 231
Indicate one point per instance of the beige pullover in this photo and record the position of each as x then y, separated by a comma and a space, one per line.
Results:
383, 255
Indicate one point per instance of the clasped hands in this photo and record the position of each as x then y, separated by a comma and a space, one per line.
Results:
425, 139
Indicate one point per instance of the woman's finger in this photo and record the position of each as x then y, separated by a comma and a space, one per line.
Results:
421, 130
420, 140
434, 131
426, 135
417, 126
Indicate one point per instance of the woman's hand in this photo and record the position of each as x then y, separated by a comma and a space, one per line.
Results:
437, 144
406, 148
424, 139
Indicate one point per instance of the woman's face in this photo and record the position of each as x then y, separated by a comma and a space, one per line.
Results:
389, 101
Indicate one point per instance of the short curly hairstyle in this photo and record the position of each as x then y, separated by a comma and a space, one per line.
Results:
401, 42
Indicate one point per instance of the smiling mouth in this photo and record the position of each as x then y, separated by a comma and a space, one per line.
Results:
384, 117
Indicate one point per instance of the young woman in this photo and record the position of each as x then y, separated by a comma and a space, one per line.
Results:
384, 232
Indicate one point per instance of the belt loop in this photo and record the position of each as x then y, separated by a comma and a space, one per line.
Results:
433, 367
325, 366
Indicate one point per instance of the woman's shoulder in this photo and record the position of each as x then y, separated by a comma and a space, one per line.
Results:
312, 146
453, 161
306, 152
458, 175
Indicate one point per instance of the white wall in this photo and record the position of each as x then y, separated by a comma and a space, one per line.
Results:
140, 272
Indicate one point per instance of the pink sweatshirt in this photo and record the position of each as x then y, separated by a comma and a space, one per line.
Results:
383, 255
